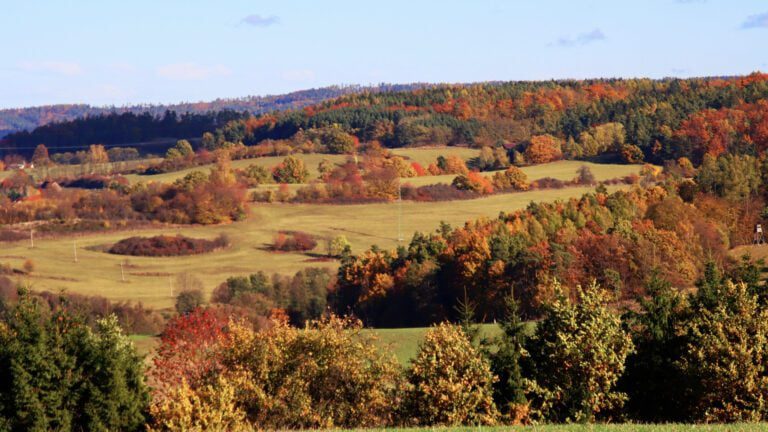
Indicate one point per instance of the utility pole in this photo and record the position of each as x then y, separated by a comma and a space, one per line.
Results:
32, 238
74, 249
399, 211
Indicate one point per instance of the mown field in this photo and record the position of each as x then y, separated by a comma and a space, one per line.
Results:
310, 160
150, 280
739, 427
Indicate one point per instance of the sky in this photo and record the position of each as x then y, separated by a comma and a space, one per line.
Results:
118, 52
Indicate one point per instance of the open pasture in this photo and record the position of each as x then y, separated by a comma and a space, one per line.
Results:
152, 280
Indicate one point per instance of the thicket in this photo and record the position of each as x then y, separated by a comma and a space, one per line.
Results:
165, 245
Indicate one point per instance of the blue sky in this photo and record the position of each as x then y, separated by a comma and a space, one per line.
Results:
108, 52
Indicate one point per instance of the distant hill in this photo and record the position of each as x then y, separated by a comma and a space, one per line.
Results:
27, 119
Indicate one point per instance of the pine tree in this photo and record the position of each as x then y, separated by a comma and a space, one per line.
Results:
509, 390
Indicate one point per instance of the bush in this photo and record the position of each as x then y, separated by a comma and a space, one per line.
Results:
450, 383
474, 182
631, 154
164, 245
10, 235
548, 183
293, 241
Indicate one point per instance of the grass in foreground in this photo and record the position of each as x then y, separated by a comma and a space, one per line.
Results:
739, 427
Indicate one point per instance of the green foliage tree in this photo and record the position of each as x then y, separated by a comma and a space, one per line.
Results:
335, 139
653, 380
180, 150
337, 246
451, 384
188, 300
40, 157
506, 364
208, 141
734, 177
513, 178
326, 375
291, 170
727, 344
58, 374
631, 154
578, 354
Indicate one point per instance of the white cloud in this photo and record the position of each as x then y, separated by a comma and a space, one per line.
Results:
56, 67
260, 21
123, 67
299, 75
582, 39
191, 71
756, 21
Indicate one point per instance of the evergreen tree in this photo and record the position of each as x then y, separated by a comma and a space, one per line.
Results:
506, 363
652, 380
58, 374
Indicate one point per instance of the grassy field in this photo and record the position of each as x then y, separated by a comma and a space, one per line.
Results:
561, 170
427, 155
739, 427
150, 280
76, 170
404, 342
424, 156
310, 160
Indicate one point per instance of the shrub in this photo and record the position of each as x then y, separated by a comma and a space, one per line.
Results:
450, 383
474, 182
452, 165
548, 183
10, 235
631, 154
578, 354
293, 241
164, 245
29, 266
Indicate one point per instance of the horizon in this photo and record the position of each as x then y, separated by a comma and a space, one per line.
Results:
92, 53
370, 85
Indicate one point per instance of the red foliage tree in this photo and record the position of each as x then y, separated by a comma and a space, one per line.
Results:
188, 349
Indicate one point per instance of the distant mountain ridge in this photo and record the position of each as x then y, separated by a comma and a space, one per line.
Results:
27, 119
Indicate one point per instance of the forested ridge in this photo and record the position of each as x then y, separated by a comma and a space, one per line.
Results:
662, 119
655, 119
78, 125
